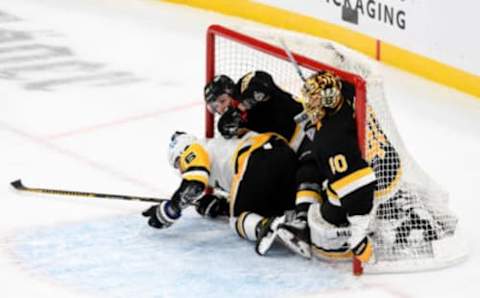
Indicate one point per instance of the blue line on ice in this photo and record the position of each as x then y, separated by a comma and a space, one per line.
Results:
123, 257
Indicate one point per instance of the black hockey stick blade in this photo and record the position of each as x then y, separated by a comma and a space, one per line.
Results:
18, 185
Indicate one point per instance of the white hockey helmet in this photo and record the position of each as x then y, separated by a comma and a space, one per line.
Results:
178, 143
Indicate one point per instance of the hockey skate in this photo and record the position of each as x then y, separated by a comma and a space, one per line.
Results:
267, 231
294, 233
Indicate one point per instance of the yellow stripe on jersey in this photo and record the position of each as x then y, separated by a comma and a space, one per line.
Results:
200, 177
308, 196
353, 181
195, 164
253, 142
333, 198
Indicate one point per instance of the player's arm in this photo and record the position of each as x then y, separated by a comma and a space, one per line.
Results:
353, 187
309, 188
194, 165
351, 183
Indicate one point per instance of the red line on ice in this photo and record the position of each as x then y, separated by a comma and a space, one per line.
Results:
121, 121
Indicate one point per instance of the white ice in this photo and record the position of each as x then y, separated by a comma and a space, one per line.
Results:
109, 134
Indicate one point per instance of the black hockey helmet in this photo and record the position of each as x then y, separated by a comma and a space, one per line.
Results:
220, 84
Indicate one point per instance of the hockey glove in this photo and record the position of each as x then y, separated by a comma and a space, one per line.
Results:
212, 206
230, 122
162, 215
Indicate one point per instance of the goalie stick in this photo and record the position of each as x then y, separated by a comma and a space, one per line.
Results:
302, 116
292, 59
18, 185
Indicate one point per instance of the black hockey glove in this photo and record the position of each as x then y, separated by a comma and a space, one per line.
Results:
162, 215
212, 206
230, 122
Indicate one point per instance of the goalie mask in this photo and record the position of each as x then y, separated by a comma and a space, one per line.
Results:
220, 85
178, 143
321, 90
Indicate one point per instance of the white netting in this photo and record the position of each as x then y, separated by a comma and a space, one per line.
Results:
413, 229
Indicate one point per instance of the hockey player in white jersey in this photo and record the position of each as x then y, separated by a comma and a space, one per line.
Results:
257, 170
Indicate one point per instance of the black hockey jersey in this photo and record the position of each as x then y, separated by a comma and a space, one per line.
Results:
270, 109
333, 157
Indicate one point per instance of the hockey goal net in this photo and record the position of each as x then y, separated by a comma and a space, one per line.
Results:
412, 227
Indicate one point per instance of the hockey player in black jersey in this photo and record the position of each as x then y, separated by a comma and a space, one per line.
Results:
255, 102
345, 200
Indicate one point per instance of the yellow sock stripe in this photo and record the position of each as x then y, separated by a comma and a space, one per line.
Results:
239, 225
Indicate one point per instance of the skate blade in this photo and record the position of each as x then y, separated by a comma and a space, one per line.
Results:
297, 246
264, 245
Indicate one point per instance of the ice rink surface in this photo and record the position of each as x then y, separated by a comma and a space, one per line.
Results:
116, 78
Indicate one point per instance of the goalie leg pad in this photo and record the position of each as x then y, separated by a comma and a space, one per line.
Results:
364, 250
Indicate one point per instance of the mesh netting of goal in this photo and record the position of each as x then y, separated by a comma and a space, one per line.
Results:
412, 226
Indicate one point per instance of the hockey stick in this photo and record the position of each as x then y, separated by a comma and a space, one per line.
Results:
303, 115
18, 185
292, 60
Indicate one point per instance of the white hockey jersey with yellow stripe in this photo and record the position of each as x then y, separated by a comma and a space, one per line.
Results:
212, 161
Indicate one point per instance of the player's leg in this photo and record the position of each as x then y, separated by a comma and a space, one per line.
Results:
264, 191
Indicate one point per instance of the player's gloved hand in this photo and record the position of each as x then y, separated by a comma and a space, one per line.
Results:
162, 215
212, 206
230, 122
